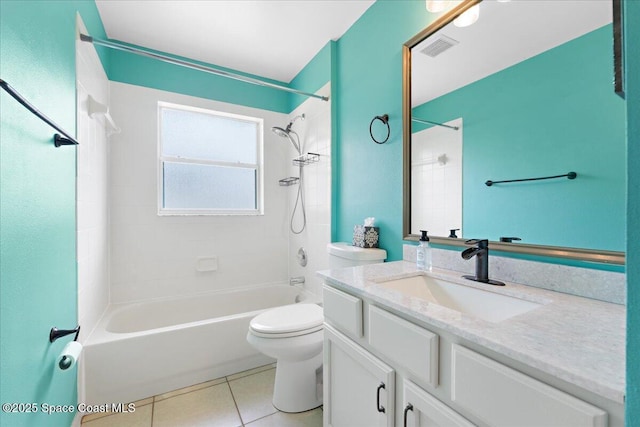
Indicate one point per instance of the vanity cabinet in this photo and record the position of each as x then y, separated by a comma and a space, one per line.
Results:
358, 387
384, 370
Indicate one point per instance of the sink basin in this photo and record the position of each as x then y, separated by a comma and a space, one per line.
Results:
485, 305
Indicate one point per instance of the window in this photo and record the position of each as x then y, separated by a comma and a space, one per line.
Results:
210, 162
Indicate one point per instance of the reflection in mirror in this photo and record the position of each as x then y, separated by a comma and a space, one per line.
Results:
436, 174
530, 87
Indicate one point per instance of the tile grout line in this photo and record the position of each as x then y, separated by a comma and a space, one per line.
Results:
154, 399
153, 409
234, 401
264, 416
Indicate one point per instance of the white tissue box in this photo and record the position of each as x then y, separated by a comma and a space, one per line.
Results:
366, 237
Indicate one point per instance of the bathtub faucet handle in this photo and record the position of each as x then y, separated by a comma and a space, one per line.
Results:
299, 280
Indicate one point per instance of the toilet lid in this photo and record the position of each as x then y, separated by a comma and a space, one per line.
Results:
289, 318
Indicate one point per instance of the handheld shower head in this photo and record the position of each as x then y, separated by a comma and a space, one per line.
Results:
280, 132
286, 133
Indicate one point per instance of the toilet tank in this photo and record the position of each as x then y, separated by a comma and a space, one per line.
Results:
345, 255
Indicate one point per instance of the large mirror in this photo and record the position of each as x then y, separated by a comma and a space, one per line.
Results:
524, 92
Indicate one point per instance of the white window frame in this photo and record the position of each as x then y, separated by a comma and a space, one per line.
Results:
258, 166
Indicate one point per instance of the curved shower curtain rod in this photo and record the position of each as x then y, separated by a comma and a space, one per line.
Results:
187, 64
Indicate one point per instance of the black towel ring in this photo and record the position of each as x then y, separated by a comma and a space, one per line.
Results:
384, 119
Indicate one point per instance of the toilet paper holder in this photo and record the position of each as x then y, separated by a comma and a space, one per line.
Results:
56, 333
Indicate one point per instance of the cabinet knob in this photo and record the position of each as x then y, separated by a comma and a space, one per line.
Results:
407, 408
378, 407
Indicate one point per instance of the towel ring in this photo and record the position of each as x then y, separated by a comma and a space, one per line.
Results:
384, 119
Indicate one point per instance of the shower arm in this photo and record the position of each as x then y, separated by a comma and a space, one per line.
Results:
301, 117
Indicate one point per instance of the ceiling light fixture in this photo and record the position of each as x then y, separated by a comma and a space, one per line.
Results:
468, 17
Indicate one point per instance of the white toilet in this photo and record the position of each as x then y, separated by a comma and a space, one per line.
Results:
292, 335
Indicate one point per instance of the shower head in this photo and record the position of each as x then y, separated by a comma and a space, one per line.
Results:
286, 133
280, 132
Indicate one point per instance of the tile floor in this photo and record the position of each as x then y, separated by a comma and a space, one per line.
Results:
242, 399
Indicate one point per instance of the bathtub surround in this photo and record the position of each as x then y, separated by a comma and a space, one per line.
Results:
156, 256
602, 285
91, 190
315, 137
316, 134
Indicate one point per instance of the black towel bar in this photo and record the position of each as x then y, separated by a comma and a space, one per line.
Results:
57, 139
570, 175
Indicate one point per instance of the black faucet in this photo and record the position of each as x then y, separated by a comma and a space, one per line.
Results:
481, 252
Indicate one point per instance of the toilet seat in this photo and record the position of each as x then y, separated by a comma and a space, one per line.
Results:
288, 321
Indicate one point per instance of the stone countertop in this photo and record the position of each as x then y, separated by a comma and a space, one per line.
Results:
578, 340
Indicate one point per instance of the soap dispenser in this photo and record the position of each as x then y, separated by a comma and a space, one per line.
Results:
423, 253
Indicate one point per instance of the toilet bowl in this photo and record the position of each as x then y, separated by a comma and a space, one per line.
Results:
293, 336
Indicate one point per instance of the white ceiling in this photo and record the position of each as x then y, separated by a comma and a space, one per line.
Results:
273, 39
506, 33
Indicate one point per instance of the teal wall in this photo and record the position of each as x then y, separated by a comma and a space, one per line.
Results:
565, 124
632, 41
141, 71
369, 84
37, 213
313, 76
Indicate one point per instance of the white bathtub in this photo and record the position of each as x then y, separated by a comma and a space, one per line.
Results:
143, 349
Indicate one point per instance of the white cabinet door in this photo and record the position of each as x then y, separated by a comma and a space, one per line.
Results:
423, 410
358, 387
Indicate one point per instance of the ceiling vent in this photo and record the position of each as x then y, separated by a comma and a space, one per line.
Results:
439, 45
